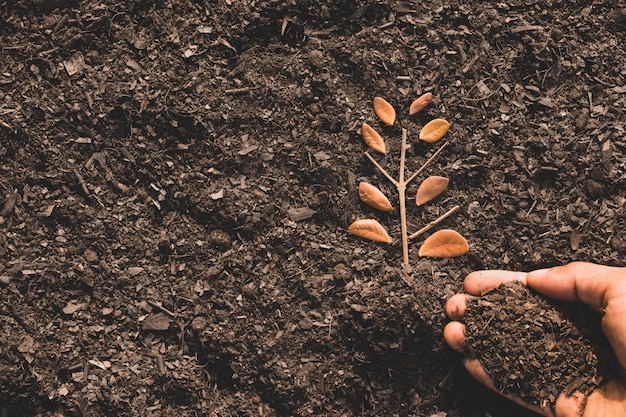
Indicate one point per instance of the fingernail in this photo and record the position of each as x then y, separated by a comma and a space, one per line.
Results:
538, 273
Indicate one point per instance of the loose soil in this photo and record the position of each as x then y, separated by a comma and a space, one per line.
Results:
558, 349
177, 179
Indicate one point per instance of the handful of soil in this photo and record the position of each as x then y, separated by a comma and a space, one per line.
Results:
534, 348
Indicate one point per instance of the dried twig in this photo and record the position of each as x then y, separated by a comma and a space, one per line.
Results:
82, 182
434, 222
242, 90
163, 309
425, 164
381, 169
401, 185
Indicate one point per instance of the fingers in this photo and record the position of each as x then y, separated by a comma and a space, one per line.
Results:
599, 286
569, 405
454, 335
608, 400
455, 306
592, 284
480, 281
580, 281
454, 332
476, 370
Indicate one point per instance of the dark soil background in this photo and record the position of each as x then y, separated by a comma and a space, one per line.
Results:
177, 179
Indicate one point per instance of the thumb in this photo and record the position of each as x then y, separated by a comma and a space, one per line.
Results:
601, 287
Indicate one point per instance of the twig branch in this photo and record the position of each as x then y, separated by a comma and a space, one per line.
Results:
434, 222
242, 90
432, 158
163, 309
81, 181
401, 185
381, 169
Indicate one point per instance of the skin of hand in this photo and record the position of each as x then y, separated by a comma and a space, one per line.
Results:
601, 287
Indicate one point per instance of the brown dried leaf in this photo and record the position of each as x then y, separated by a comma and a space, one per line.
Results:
370, 229
420, 103
384, 111
430, 188
372, 138
373, 197
434, 130
444, 243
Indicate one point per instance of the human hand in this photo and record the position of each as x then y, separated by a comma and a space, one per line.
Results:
601, 287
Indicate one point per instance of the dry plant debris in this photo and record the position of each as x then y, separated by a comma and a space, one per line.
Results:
434, 130
430, 188
373, 139
445, 243
385, 111
373, 197
420, 103
370, 229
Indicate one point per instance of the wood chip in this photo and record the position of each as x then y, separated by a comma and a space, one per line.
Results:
526, 28
247, 150
75, 64
9, 204
158, 322
72, 307
606, 153
135, 270
300, 213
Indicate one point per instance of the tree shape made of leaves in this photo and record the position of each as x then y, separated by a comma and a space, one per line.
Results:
443, 243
